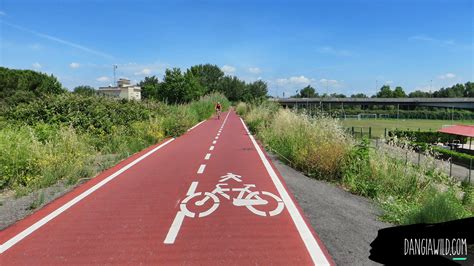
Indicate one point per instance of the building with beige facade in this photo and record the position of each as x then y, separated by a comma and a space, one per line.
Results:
124, 90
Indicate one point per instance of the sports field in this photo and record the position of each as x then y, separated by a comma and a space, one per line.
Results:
379, 125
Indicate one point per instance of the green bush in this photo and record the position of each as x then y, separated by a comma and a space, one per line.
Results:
84, 113
205, 107
437, 207
28, 162
426, 136
459, 157
241, 109
178, 120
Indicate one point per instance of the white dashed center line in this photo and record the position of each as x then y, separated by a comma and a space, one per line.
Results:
207, 156
211, 148
201, 169
214, 142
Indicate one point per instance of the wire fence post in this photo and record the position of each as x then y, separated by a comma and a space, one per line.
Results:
419, 157
406, 157
470, 170
370, 132
385, 133
450, 166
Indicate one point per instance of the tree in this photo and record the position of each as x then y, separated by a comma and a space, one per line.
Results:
469, 86
26, 85
385, 92
359, 95
150, 87
419, 94
337, 95
85, 90
399, 93
172, 88
178, 87
208, 76
307, 92
257, 89
233, 88
193, 89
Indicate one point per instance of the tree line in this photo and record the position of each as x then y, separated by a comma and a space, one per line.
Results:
456, 91
177, 86
183, 86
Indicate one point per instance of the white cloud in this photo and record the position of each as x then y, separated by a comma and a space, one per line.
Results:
296, 80
447, 76
143, 72
74, 65
425, 38
228, 69
388, 82
333, 51
36, 65
254, 70
103, 79
329, 81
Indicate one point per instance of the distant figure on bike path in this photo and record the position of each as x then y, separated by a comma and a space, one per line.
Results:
218, 110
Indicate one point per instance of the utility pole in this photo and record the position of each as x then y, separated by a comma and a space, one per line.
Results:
431, 85
115, 81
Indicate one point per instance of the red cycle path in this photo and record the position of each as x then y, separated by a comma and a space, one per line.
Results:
127, 220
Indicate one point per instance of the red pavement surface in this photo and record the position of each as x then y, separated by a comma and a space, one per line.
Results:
127, 220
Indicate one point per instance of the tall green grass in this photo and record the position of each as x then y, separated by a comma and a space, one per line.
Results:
319, 146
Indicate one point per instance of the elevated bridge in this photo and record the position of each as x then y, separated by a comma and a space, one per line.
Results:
458, 103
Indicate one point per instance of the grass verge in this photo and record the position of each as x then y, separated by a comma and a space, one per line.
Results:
319, 147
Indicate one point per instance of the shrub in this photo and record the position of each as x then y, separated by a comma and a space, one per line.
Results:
458, 157
426, 136
241, 108
317, 145
205, 107
437, 207
28, 162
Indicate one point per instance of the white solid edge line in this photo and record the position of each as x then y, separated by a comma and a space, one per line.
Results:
207, 156
174, 229
69, 204
178, 219
310, 242
192, 188
196, 125
201, 169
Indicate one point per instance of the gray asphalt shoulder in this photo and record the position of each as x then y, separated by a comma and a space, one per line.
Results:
346, 223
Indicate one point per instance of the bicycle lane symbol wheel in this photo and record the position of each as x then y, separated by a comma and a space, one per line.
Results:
187, 212
255, 194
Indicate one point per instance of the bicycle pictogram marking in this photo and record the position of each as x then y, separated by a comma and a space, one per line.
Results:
253, 200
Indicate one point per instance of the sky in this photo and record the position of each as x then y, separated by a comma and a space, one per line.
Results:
342, 46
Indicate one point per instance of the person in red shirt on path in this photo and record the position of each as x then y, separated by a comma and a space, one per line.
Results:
218, 110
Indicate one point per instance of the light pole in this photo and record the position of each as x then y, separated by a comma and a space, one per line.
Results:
297, 99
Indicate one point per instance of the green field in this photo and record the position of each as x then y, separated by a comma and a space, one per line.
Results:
378, 125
